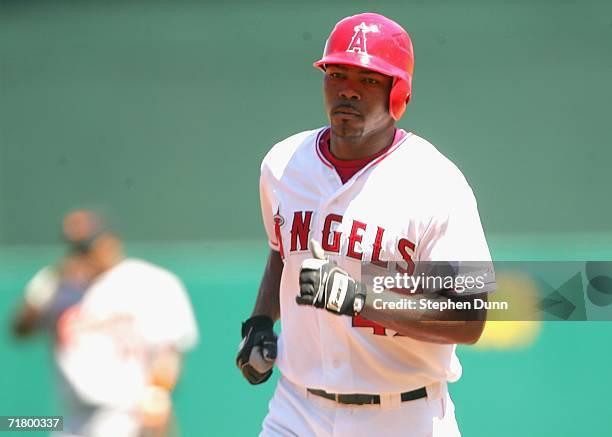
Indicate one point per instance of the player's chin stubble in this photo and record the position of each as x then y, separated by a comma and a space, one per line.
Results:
346, 130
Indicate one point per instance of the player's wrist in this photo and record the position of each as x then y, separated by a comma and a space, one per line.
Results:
355, 299
257, 323
360, 298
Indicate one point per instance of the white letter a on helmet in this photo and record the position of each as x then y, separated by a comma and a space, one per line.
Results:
358, 42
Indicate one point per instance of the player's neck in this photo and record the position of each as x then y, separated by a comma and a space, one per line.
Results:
351, 148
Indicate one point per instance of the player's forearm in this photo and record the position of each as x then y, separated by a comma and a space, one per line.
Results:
165, 368
425, 322
268, 298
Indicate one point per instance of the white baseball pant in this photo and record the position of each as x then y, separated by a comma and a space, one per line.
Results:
295, 412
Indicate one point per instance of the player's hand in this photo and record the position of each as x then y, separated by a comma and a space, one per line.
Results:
257, 350
325, 285
155, 408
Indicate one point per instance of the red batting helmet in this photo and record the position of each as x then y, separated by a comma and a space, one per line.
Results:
376, 43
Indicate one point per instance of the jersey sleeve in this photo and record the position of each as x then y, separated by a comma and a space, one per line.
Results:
455, 236
40, 289
170, 320
267, 207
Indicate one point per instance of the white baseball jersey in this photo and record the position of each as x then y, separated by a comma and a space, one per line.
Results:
410, 204
105, 341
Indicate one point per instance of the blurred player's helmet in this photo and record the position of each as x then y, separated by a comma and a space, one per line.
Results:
376, 43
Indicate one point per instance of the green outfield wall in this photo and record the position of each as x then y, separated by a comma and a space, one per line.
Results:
160, 112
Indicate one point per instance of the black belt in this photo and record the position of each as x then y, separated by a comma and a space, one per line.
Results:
364, 399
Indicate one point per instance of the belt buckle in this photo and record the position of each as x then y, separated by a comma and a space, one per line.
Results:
337, 397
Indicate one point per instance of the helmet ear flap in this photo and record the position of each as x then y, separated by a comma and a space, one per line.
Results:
398, 98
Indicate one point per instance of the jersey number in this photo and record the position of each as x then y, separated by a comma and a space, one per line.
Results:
360, 322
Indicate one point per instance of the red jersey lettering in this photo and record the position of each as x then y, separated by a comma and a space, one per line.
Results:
300, 230
355, 238
334, 246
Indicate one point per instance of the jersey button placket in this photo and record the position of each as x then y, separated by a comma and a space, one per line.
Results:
334, 343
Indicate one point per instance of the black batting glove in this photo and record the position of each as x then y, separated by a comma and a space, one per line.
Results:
325, 285
257, 350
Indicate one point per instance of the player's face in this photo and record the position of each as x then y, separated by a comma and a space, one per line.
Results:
356, 100
105, 253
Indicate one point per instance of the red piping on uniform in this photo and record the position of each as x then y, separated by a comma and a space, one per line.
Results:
321, 157
376, 161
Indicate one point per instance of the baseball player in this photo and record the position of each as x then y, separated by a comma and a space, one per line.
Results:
119, 327
335, 199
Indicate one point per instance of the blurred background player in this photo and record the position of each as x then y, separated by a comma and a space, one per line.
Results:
119, 326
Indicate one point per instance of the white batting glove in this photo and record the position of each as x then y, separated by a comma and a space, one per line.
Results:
257, 350
325, 285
